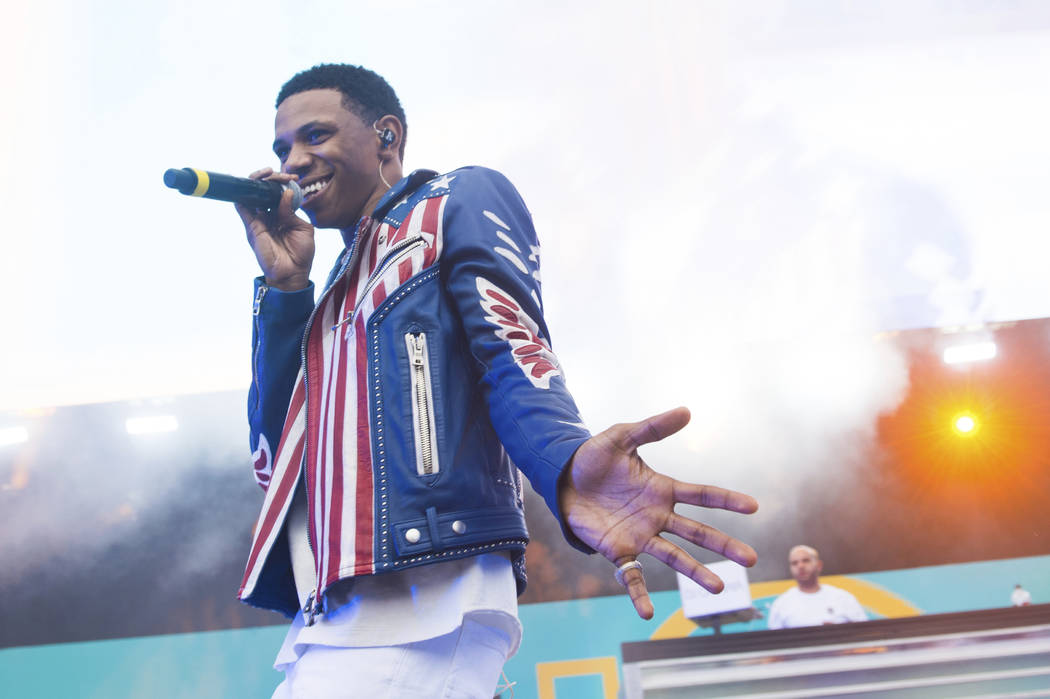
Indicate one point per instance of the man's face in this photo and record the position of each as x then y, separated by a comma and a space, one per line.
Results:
334, 153
805, 566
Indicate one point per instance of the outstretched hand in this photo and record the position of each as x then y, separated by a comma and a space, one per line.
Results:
616, 504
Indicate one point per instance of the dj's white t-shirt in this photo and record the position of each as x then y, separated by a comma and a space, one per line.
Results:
828, 605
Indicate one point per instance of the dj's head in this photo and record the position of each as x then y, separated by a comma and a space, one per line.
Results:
805, 564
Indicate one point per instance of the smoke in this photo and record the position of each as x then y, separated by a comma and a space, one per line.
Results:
99, 517
738, 233
746, 289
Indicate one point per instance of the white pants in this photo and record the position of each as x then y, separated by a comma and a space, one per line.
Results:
464, 664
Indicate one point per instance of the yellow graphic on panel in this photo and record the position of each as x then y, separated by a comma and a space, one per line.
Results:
546, 673
871, 596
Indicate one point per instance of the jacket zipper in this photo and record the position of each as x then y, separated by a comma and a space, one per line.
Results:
259, 294
422, 404
374, 277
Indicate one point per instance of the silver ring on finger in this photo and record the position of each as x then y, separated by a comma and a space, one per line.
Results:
629, 565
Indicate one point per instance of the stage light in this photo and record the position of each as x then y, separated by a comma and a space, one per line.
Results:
13, 435
973, 352
151, 424
965, 425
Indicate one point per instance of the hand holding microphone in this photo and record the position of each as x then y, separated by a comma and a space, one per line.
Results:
266, 202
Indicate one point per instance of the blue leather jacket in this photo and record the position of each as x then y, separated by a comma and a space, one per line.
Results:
455, 370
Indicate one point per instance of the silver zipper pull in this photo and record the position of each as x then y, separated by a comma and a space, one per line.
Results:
417, 350
258, 298
309, 610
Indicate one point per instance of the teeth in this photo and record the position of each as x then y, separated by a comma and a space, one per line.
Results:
315, 187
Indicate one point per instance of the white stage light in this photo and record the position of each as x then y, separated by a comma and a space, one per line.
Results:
151, 424
13, 435
974, 352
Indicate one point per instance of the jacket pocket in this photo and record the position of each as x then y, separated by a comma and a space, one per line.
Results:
423, 425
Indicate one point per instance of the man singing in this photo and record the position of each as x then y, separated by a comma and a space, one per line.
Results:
391, 410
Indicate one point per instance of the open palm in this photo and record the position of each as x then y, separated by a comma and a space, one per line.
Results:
616, 504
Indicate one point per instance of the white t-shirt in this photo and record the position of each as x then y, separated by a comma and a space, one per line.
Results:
1020, 597
828, 605
400, 607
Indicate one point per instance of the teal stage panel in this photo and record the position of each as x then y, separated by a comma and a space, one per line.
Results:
571, 649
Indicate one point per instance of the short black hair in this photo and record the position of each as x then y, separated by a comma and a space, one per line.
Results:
365, 93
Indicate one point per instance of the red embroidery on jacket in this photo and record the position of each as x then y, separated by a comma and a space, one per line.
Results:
530, 352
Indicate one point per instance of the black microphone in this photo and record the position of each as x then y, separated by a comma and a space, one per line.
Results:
259, 194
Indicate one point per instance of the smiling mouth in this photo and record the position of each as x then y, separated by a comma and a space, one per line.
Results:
314, 188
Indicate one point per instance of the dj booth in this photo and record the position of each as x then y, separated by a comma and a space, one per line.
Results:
988, 653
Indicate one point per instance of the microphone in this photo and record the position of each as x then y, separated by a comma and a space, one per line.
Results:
260, 194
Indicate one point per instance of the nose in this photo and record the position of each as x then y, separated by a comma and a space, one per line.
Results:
297, 162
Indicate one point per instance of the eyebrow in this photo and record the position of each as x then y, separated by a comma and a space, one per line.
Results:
303, 129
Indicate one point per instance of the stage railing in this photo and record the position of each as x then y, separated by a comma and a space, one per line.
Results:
995, 652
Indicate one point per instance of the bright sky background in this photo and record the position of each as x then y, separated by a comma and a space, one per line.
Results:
731, 196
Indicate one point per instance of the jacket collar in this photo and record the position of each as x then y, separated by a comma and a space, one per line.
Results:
401, 189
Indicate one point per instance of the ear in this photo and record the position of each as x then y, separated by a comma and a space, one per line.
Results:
396, 147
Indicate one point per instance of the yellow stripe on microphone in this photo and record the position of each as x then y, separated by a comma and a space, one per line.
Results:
202, 183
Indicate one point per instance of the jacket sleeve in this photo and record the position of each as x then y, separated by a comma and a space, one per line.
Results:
490, 265
278, 320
